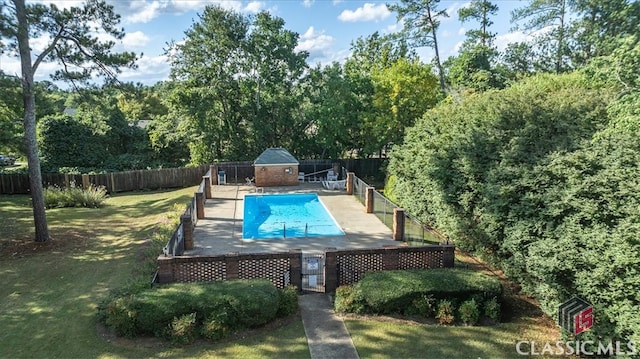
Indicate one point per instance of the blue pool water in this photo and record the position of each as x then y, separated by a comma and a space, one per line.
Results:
287, 215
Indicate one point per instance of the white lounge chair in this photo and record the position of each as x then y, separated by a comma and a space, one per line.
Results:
331, 176
300, 176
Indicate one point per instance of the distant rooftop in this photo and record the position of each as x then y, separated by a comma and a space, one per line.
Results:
276, 156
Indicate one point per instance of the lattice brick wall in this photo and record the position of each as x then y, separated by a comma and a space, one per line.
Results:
420, 259
352, 266
274, 269
200, 271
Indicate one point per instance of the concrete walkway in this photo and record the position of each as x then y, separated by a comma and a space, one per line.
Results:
327, 335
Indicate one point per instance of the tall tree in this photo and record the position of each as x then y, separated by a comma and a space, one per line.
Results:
421, 19
480, 11
75, 46
541, 14
600, 24
276, 68
207, 97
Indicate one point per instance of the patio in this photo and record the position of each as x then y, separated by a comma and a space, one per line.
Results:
220, 232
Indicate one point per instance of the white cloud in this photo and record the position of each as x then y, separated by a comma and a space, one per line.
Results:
314, 41
307, 3
503, 40
368, 12
254, 7
143, 11
462, 31
150, 70
135, 39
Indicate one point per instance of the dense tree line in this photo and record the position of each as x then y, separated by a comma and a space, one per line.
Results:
540, 178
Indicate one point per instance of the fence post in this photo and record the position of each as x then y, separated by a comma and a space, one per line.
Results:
368, 200
214, 175
207, 186
350, 176
199, 205
398, 224
295, 269
330, 270
448, 256
165, 269
85, 181
187, 231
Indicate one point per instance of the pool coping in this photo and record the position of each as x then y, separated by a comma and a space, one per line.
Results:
220, 232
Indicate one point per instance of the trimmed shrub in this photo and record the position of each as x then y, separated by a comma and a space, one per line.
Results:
388, 292
288, 301
348, 301
445, 313
218, 309
469, 312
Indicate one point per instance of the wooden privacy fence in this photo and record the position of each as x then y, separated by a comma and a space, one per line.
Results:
113, 182
236, 172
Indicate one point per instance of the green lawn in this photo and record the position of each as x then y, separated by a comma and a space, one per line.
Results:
49, 292
384, 339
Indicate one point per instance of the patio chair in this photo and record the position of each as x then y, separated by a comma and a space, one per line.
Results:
331, 176
300, 176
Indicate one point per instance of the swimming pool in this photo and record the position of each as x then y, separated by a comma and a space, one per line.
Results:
287, 215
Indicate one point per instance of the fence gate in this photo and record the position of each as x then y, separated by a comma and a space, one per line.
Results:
313, 273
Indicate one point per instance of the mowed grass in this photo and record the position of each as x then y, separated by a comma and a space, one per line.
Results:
49, 292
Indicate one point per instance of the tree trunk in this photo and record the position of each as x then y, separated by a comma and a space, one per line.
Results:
435, 48
35, 176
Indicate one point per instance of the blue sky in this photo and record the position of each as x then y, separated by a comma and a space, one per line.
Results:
326, 28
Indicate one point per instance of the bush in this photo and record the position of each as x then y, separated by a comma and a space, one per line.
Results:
92, 197
445, 313
288, 301
469, 312
388, 292
424, 305
182, 330
347, 300
217, 309
492, 309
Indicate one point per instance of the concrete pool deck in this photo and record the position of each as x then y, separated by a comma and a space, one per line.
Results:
220, 231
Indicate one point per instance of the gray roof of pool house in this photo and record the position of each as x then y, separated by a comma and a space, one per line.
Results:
276, 156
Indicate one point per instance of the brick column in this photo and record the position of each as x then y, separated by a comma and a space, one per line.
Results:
330, 270
200, 205
350, 176
207, 187
165, 269
398, 224
295, 271
233, 265
448, 255
368, 200
187, 231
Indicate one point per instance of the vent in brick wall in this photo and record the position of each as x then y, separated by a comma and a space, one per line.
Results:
352, 267
201, 271
419, 260
274, 269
